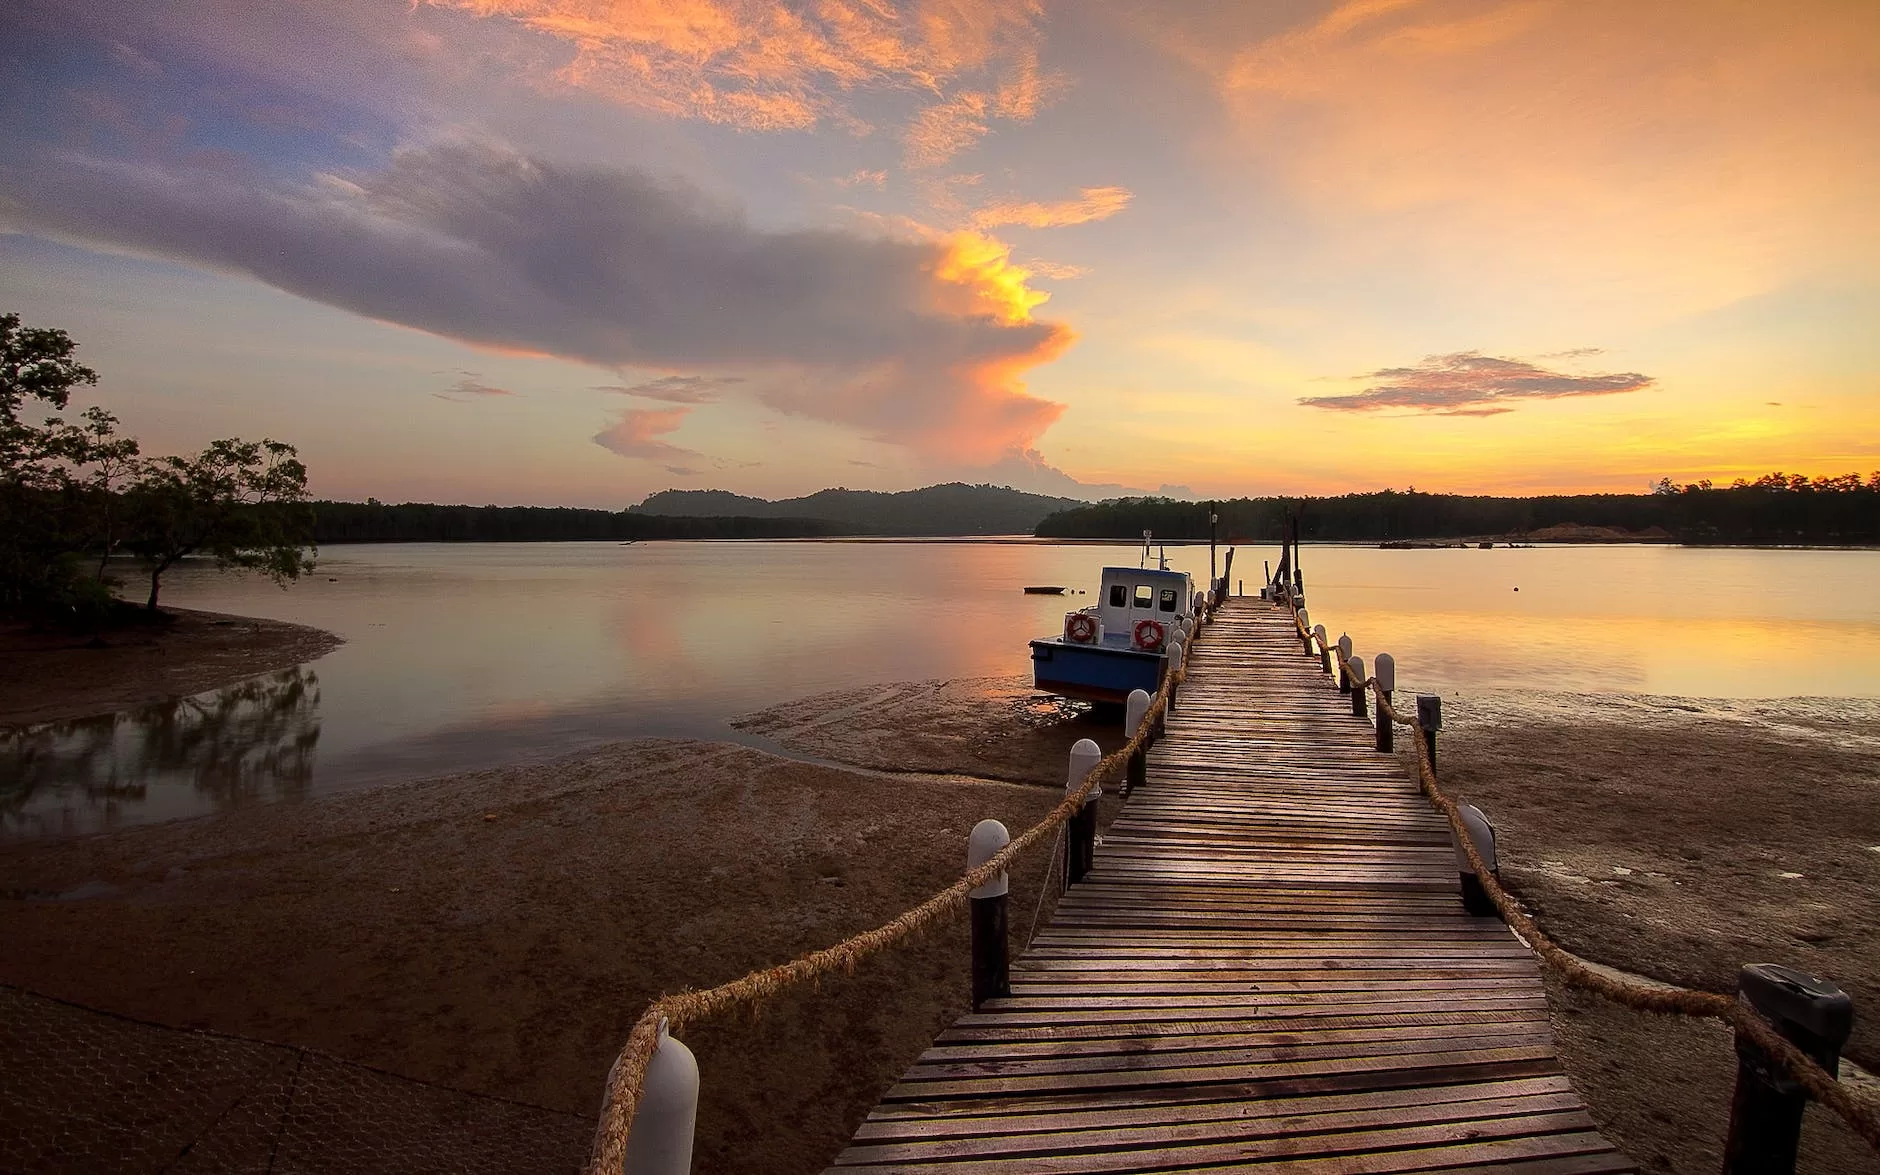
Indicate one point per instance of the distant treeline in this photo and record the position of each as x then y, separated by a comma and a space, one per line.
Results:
1774, 509
420, 522
954, 508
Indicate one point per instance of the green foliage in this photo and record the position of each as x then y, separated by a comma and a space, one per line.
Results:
949, 509
70, 489
1774, 509
243, 502
373, 521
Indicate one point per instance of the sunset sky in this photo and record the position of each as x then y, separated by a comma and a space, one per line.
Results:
574, 251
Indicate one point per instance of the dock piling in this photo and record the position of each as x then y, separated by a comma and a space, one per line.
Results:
1305, 625
661, 1139
1080, 841
1134, 711
1357, 691
1344, 655
1429, 721
1475, 899
1766, 1110
1386, 674
1325, 649
992, 975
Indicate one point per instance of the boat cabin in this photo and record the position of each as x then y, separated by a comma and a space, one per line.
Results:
1132, 594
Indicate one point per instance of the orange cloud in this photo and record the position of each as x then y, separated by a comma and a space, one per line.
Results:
1673, 156
637, 433
772, 65
1091, 204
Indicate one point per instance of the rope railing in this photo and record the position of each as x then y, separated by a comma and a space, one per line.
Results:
1861, 1112
626, 1080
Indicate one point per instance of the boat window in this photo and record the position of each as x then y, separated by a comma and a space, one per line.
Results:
1119, 596
1168, 599
1145, 595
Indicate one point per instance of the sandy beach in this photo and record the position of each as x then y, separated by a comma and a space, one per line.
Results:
496, 932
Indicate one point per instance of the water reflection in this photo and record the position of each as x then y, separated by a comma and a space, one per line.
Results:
248, 742
461, 657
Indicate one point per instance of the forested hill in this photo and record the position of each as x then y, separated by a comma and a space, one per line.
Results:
422, 522
954, 508
1774, 509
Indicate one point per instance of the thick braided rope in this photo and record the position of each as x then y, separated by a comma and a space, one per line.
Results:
626, 1080
1860, 1112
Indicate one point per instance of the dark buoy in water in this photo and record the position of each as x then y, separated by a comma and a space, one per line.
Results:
1517, 589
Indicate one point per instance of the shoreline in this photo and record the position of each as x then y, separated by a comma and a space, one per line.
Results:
497, 931
62, 677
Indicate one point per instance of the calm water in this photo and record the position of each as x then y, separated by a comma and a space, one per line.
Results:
472, 656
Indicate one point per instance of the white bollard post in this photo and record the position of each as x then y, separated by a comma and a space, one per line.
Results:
1344, 654
1475, 899
1080, 841
663, 1125
991, 953
1357, 691
1135, 709
1305, 622
1325, 648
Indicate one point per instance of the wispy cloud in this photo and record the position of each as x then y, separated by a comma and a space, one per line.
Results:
863, 178
769, 65
922, 342
469, 387
1090, 204
637, 434
677, 389
1469, 383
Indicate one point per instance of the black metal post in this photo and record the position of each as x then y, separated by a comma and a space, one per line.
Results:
992, 977
1429, 721
1080, 843
1766, 1110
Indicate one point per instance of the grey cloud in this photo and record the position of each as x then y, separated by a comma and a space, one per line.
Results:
611, 267
470, 387
677, 389
1469, 383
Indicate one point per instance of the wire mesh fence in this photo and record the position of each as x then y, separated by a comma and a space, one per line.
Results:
84, 1091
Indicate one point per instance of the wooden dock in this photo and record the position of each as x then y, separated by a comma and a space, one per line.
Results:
1269, 966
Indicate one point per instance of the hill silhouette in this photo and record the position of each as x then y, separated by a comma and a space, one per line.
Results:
954, 508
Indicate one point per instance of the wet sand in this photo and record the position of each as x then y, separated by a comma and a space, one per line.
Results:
52, 677
497, 932
1679, 839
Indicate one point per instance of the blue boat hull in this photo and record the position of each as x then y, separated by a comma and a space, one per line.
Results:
1095, 673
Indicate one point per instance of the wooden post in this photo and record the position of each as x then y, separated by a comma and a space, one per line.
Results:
660, 1142
1766, 1110
1212, 519
1429, 721
1177, 655
1325, 649
992, 976
1134, 711
1305, 622
1344, 654
1357, 692
1080, 844
1386, 674
1227, 571
1475, 899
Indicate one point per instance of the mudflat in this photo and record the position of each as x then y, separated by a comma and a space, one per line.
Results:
497, 932
53, 676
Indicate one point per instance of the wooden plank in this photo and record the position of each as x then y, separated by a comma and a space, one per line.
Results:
1268, 966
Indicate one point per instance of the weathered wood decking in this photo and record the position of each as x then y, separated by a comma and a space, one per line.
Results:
1269, 966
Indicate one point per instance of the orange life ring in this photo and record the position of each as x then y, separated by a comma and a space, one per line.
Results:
1081, 628
1149, 635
